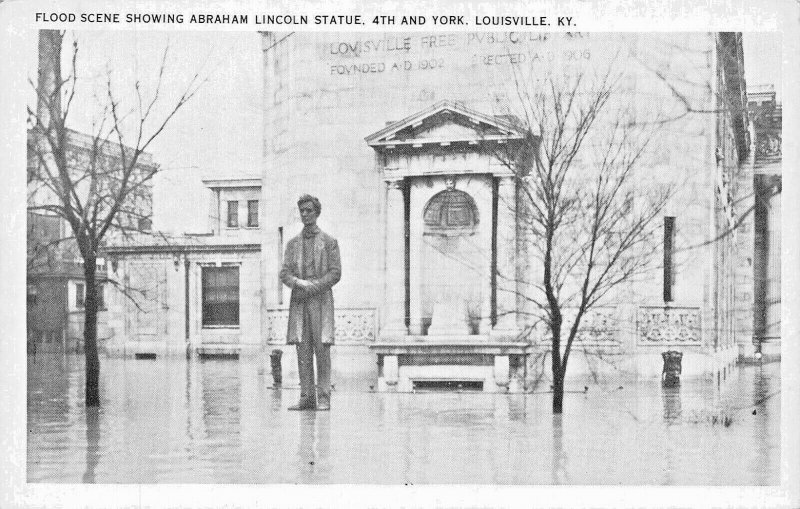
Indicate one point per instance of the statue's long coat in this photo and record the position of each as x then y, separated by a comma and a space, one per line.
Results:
320, 304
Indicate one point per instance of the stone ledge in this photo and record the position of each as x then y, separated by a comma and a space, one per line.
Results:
452, 345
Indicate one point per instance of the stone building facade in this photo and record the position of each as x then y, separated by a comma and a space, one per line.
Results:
197, 294
767, 118
394, 133
397, 134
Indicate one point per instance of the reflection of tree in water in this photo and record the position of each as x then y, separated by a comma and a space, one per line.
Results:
92, 443
560, 475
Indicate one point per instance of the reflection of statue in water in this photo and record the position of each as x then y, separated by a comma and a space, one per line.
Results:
313, 450
92, 443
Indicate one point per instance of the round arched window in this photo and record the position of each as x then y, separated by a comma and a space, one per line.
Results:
451, 212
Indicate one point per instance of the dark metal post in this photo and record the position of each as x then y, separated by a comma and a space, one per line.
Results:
670, 375
275, 363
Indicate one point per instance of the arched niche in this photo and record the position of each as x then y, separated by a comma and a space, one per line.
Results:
453, 264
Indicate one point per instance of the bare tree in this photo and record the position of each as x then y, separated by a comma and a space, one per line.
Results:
97, 183
589, 224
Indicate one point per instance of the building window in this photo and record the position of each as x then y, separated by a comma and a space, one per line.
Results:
80, 295
669, 254
233, 214
252, 213
220, 296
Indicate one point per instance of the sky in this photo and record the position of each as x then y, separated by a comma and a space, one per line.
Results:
219, 132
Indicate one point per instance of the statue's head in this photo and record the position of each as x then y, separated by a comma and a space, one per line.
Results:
310, 209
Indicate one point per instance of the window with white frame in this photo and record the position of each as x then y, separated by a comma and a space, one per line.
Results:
252, 213
220, 288
233, 214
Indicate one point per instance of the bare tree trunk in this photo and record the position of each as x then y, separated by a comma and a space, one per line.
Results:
558, 392
90, 334
558, 374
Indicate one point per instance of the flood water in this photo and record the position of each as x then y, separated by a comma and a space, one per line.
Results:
220, 421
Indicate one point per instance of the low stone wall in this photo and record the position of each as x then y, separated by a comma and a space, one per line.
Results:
353, 325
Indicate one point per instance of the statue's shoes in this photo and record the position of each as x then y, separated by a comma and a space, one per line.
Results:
304, 405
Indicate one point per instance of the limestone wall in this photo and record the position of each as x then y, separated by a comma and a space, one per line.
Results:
147, 309
325, 92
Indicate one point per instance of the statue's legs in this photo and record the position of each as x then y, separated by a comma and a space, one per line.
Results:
323, 354
305, 365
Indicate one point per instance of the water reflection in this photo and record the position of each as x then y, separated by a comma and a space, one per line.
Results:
92, 443
560, 475
220, 399
276, 399
313, 449
764, 435
671, 399
219, 421
517, 408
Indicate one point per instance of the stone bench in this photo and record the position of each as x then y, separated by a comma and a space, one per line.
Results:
471, 362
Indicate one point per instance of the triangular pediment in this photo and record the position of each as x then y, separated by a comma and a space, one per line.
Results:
444, 123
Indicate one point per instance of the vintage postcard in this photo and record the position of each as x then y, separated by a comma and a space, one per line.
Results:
457, 255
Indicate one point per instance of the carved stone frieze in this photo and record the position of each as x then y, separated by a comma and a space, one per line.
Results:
353, 325
658, 325
598, 327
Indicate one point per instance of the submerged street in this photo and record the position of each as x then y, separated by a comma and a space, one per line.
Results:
220, 421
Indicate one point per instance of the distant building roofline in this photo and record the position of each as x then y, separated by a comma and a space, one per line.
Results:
233, 182
85, 141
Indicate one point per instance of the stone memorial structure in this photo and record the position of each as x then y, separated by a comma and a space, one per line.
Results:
396, 134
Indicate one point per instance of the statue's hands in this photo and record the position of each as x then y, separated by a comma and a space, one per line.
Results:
315, 287
308, 287
304, 285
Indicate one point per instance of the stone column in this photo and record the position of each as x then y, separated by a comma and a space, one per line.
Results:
415, 262
395, 291
506, 256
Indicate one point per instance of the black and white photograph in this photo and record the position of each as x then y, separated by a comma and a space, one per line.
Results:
334, 249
